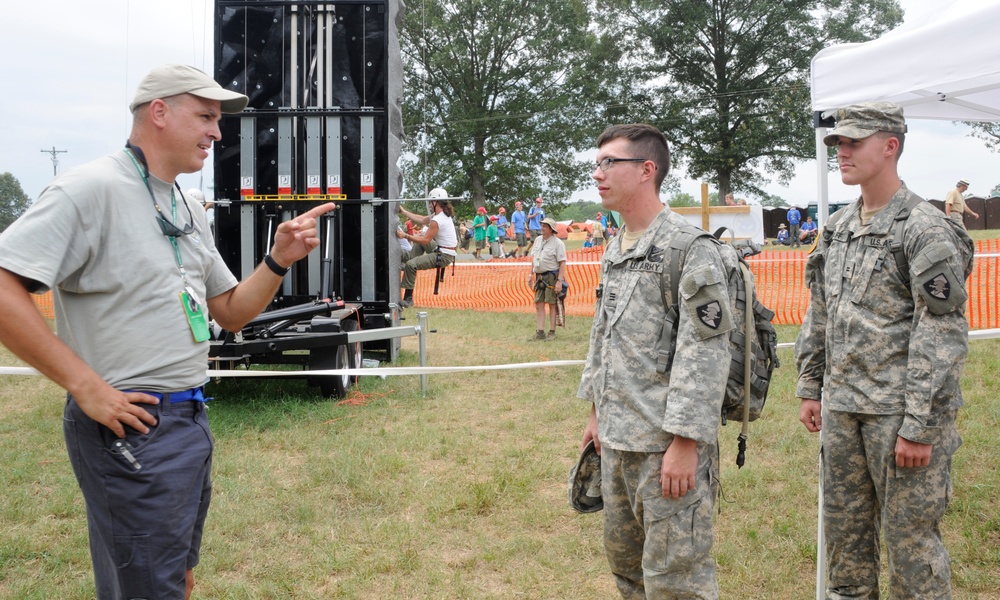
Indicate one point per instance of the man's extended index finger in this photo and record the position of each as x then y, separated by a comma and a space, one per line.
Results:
319, 210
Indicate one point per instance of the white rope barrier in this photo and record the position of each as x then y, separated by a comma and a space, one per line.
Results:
979, 334
372, 372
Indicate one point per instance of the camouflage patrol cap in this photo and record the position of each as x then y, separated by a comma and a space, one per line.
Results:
585, 481
859, 121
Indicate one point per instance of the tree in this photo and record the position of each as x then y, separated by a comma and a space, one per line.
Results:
988, 132
13, 200
499, 97
683, 199
727, 80
773, 200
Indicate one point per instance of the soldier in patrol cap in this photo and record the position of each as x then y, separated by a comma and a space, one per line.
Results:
879, 358
657, 434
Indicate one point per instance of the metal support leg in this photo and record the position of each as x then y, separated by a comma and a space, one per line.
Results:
422, 336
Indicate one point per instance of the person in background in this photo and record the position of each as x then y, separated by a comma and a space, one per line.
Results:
782, 238
132, 265
794, 219
502, 224
465, 235
479, 226
436, 246
657, 434
493, 238
807, 232
954, 203
535, 216
605, 226
588, 242
880, 357
548, 277
598, 229
519, 221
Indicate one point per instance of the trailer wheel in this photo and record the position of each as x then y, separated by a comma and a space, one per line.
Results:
347, 356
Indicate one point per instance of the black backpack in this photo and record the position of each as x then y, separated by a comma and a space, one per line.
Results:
751, 363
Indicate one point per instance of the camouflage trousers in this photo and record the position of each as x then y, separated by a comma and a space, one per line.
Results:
420, 258
864, 492
659, 548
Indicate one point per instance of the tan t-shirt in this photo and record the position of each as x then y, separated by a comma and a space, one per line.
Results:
957, 203
92, 237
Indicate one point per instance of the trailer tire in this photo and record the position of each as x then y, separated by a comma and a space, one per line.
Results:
347, 356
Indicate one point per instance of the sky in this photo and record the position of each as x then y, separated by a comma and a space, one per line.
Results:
70, 69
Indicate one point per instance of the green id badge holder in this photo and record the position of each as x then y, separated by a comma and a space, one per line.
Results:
195, 316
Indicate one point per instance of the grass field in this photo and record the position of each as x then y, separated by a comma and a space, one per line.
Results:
461, 494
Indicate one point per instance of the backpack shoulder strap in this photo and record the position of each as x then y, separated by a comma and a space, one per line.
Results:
678, 248
896, 245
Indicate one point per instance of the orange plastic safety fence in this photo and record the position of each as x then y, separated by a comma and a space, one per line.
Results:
984, 295
44, 304
501, 285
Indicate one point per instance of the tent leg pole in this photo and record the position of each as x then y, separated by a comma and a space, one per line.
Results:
820, 539
822, 185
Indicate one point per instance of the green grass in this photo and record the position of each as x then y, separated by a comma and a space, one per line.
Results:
461, 494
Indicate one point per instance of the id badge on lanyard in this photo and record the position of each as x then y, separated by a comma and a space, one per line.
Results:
196, 317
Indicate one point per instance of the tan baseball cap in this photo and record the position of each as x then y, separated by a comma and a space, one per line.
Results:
859, 121
172, 80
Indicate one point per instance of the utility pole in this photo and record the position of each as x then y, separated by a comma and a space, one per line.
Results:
55, 160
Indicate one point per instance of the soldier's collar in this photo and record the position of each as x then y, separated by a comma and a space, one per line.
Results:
881, 223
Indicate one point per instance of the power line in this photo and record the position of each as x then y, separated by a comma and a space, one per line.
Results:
55, 160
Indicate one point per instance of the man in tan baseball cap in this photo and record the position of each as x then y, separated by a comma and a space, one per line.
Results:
131, 260
954, 203
173, 80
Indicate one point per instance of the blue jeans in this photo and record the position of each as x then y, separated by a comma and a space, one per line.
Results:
145, 523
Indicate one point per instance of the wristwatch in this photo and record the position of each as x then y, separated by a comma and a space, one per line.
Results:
272, 264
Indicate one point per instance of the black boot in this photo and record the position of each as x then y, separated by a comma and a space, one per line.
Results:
407, 300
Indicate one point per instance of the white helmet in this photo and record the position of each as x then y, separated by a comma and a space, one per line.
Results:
438, 193
197, 194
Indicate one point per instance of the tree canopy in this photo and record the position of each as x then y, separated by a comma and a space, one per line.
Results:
727, 80
502, 96
13, 200
499, 96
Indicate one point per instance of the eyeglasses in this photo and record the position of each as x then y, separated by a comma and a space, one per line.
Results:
605, 164
166, 226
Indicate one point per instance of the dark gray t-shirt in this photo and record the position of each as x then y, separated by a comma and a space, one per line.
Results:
93, 238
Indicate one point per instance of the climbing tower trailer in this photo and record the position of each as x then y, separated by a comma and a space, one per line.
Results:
323, 124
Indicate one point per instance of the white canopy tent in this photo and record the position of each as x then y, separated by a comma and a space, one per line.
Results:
945, 65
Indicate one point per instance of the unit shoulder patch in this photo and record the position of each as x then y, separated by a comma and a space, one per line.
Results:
710, 314
938, 287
